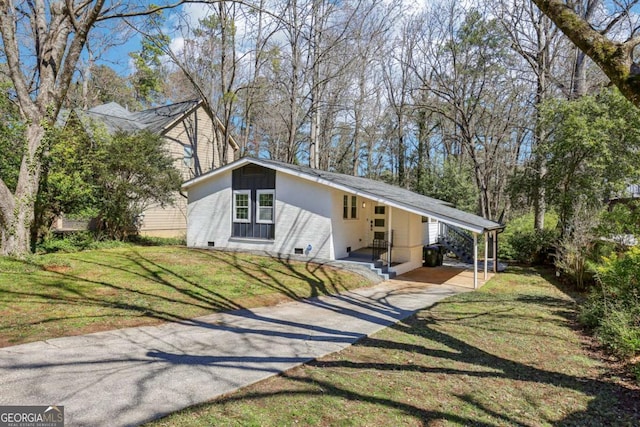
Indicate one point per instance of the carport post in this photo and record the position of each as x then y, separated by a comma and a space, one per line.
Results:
486, 254
495, 251
389, 238
475, 261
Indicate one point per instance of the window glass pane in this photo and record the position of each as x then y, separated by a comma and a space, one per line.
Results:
345, 207
188, 156
379, 210
266, 200
242, 200
354, 207
265, 214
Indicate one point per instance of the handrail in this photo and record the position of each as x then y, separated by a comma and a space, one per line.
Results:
457, 233
381, 246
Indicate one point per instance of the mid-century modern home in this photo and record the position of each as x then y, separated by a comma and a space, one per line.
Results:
266, 205
193, 137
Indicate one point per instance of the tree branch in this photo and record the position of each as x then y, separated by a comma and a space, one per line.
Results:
8, 31
615, 59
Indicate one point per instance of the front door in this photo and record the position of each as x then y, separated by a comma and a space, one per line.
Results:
379, 223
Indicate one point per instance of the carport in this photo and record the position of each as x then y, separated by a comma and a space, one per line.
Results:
444, 275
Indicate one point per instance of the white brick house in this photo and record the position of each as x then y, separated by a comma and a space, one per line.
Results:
265, 205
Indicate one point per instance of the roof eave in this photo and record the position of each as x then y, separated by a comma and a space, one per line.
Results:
246, 160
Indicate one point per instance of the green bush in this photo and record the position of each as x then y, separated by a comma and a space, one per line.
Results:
521, 242
613, 310
75, 242
158, 241
532, 247
86, 240
592, 311
72, 242
619, 331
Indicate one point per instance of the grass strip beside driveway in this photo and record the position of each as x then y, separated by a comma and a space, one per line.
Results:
507, 355
49, 296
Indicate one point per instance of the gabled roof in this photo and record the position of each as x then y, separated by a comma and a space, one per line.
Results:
118, 119
158, 120
375, 190
111, 109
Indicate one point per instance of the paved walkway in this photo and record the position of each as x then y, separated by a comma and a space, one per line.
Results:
129, 376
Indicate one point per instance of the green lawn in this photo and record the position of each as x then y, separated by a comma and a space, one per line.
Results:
508, 354
68, 294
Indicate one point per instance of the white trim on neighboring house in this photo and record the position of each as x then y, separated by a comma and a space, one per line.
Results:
247, 207
259, 207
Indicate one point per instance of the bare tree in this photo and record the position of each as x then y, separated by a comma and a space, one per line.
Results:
42, 43
471, 88
537, 41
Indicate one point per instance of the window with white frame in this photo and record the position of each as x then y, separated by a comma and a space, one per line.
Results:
349, 207
345, 207
265, 206
242, 206
354, 207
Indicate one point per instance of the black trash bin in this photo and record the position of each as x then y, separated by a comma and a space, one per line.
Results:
431, 255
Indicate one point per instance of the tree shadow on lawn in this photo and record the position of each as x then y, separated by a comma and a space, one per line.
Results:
284, 265
609, 403
137, 303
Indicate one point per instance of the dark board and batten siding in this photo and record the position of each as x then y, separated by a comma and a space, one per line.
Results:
253, 177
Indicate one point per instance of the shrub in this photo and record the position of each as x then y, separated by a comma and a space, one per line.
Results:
520, 242
72, 242
592, 311
75, 242
618, 332
576, 248
532, 247
157, 241
613, 310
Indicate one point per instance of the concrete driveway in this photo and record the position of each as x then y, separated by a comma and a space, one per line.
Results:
129, 376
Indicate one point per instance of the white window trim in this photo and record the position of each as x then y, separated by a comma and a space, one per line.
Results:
350, 207
353, 207
345, 215
235, 211
258, 206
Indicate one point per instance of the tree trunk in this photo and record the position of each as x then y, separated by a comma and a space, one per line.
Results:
18, 212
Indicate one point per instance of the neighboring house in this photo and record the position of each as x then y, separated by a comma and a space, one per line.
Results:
265, 205
193, 138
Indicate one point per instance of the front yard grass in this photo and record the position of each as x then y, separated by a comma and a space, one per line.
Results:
508, 354
55, 295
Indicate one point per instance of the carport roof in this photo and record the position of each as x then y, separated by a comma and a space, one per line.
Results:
374, 190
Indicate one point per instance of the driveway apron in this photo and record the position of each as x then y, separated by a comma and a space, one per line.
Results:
129, 376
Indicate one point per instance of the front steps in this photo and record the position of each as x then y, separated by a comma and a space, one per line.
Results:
378, 267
